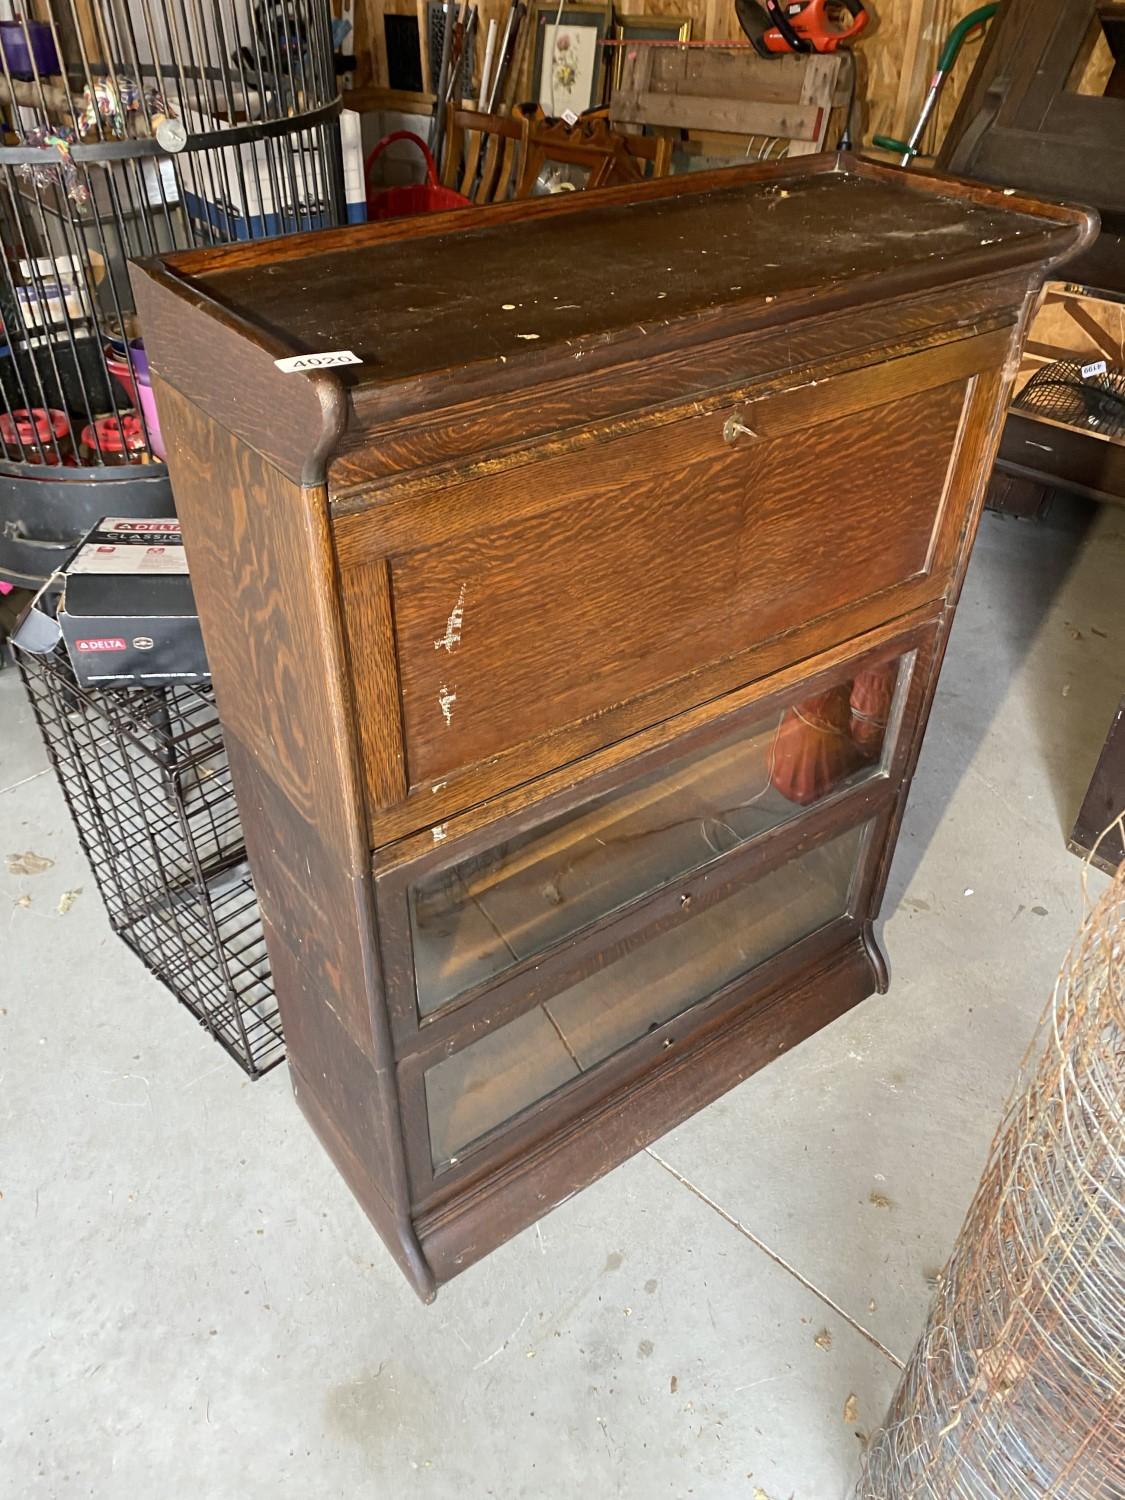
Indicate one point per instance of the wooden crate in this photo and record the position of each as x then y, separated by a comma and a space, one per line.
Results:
729, 98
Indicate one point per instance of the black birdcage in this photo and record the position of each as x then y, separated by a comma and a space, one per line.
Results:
144, 772
133, 127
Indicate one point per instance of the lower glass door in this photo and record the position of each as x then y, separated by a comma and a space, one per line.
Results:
475, 1091
473, 918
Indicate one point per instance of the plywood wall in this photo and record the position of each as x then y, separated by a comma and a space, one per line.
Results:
710, 19
896, 56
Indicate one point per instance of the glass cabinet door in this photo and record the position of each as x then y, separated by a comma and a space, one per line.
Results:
473, 1091
476, 917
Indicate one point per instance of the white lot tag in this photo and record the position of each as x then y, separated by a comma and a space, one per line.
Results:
317, 361
1099, 367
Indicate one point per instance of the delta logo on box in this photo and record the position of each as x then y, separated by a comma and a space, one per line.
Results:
164, 528
102, 643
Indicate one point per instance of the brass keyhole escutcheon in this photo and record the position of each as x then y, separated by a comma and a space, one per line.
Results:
734, 428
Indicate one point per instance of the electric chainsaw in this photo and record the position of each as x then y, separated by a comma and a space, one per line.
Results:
780, 26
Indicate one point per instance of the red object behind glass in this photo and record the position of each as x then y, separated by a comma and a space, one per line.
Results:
813, 749
872, 692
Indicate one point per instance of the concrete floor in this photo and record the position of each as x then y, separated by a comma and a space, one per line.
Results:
192, 1303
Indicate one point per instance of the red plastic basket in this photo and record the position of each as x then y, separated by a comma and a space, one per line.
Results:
427, 197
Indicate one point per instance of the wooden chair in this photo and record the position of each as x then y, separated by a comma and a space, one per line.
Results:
609, 157
484, 154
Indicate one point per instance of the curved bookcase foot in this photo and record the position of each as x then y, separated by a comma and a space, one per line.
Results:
878, 961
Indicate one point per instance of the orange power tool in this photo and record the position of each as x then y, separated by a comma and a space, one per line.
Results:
776, 28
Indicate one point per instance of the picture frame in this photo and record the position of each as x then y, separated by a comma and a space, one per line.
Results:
568, 65
642, 28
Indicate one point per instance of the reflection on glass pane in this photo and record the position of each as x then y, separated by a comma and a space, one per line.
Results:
472, 920
492, 1079
472, 1091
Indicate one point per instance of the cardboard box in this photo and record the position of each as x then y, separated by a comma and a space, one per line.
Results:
126, 612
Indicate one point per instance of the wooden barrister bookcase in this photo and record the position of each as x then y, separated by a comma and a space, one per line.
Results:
574, 646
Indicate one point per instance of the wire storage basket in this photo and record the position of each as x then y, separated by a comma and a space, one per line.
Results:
144, 771
1094, 402
131, 128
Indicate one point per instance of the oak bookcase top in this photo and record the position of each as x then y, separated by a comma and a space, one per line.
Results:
550, 278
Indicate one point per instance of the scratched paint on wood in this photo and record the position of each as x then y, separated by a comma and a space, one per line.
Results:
453, 625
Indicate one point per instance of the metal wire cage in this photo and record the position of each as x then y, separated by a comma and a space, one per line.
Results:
1060, 391
134, 127
144, 771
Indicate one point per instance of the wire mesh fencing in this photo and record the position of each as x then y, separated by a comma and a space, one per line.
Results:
144, 772
1016, 1388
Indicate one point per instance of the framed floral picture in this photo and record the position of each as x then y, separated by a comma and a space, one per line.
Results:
646, 29
568, 71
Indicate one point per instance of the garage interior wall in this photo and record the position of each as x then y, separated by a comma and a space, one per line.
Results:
896, 54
